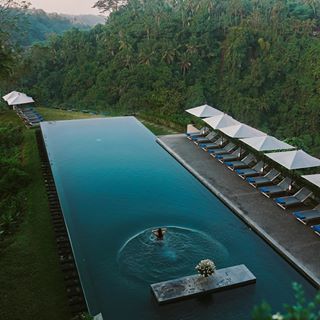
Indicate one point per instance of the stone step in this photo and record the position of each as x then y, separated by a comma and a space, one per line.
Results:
194, 285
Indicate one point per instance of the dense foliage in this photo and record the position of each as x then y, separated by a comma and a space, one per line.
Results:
257, 60
9, 16
13, 178
36, 26
301, 310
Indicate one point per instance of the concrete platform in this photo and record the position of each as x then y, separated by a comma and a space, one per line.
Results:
294, 241
190, 286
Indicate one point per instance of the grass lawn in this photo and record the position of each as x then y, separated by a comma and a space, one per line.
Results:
31, 283
56, 114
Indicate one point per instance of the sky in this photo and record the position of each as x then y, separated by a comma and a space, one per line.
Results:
65, 6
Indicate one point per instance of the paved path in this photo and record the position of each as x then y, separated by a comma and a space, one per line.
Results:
296, 242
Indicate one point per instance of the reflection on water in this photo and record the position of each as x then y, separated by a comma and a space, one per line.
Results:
145, 258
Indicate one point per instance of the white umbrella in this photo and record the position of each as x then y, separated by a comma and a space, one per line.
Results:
221, 121
204, 111
11, 95
20, 99
242, 131
266, 143
313, 178
296, 159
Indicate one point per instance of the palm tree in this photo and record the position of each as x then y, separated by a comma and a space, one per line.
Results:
123, 41
146, 55
185, 63
169, 53
107, 6
313, 4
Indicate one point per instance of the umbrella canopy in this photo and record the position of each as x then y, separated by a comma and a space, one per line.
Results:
242, 131
313, 178
11, 95
204, 111
221, 121
20, 99
266, 143
296, 159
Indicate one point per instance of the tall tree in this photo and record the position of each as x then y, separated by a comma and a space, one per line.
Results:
108, 6
9, 14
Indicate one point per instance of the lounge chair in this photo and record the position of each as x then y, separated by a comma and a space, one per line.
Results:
256, 170
235, 155
283, 186
33, 124
33, 118
208, 138
220, 143
28, 111
308, 216
316, 229
25, 110
227, 149
297, 199
244, 163
201, 133
272, 175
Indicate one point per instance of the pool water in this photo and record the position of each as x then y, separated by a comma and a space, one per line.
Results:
116, 184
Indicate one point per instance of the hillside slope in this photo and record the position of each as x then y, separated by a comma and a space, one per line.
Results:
257, 60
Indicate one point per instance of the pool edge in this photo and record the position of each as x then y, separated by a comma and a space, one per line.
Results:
234, 208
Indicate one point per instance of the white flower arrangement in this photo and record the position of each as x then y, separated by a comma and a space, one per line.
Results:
206, 268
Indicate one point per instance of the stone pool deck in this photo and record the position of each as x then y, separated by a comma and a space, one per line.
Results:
297, 243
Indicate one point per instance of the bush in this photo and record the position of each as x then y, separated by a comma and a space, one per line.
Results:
301, 310
13, 177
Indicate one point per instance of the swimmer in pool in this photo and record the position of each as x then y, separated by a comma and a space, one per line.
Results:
159, 233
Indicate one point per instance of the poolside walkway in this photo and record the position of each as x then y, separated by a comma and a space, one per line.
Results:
294, 241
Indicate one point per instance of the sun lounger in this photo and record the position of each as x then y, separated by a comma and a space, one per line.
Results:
33, 118
308, 216
227, 149
235, 155
28, 111
201, 133
283, 186
25, 110
256, 170
244, 163
297, 199
316, 229
265, 180
220, 143
33, 124
208, 138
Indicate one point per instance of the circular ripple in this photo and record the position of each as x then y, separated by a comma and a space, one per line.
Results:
145, 258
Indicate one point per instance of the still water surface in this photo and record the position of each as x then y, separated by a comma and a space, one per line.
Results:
115, 184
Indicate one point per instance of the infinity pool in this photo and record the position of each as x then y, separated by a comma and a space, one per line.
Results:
115, 184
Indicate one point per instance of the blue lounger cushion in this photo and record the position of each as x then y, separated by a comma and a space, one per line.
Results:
280, 200
239, 171
228, 163
299, 215
264, 189
211, 151
316, 227
250, 179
